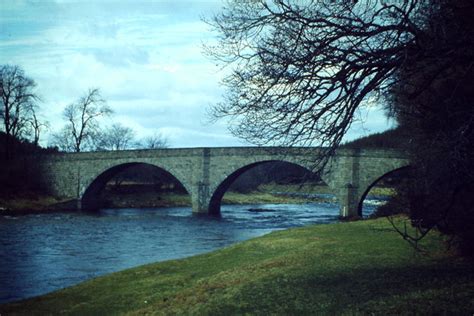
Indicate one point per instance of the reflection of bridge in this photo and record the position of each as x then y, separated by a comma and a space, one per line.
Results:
207, 173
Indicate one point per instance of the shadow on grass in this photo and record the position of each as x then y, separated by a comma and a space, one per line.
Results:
434, 289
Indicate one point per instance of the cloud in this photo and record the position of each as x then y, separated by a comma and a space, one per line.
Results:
145, 56
121, 56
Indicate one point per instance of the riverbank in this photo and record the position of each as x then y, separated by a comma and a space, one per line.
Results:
46, 204
28, 203
130, 197
347, 268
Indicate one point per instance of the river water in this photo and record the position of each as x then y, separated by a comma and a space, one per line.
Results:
47, 252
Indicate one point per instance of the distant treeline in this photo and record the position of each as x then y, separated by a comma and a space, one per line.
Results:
393, 138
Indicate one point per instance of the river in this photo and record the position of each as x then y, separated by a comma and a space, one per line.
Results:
41, 253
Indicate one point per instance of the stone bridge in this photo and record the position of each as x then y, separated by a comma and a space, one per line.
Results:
207, 173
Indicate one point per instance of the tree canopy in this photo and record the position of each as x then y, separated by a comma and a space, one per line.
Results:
433, 101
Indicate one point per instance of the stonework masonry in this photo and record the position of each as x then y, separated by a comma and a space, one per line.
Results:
206, 173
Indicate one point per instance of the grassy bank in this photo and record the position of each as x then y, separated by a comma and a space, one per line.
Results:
33, 202
267, 193
169, 199
347, 268
259, 197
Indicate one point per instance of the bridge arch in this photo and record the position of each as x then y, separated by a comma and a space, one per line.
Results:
90, 200
373, 183
221, 187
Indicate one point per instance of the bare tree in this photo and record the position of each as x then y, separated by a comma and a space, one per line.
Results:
82, 129
18, 99
154, 141
116, 137
37, 126
300, 70
62, 140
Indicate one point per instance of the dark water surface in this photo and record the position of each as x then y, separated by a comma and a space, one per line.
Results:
43, 253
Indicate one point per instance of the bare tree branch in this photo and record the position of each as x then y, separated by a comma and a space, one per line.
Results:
299, 70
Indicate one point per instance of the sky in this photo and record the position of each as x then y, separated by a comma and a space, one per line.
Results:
146, 57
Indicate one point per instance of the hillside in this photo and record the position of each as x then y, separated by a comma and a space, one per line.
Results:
393, 138
20, 147
18, 174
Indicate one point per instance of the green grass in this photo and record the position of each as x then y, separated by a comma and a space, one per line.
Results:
259, 198
339, 269
144, 198
300, 188
26, 202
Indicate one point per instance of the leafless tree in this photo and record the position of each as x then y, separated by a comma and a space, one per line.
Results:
37, 126
299, 71
154, 141
116, 137
82, 127
18, 100
62, 140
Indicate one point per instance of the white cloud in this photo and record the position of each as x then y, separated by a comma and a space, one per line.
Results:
146, 57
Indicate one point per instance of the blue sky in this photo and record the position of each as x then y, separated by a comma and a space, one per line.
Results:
145, 56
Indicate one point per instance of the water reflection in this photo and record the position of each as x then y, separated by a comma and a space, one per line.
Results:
42, 253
